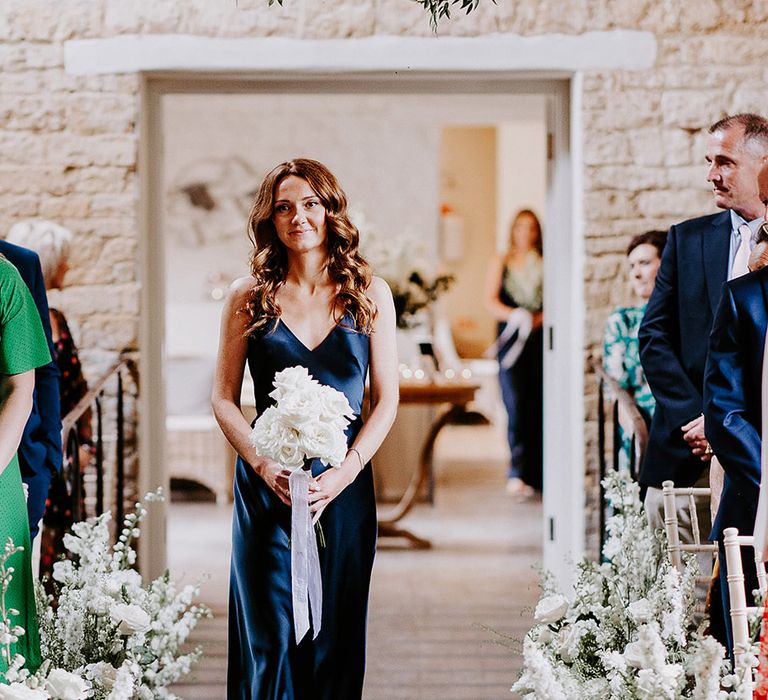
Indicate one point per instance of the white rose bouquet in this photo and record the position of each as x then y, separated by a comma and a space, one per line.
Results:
307, 422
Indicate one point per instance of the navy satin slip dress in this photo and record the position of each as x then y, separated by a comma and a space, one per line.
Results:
264, 662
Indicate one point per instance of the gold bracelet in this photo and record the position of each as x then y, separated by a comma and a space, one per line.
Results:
359, 456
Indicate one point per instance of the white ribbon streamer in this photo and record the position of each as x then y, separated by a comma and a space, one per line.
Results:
306, 583
520, 320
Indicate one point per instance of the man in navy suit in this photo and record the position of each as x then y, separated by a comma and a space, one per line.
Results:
700, 255
733, 403
40, 453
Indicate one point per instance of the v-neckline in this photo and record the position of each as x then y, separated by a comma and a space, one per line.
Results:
302, 343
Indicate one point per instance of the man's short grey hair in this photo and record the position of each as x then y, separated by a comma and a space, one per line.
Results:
755, 127
50, 241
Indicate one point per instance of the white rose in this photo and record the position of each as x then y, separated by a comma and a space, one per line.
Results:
290, 380
635, 655
102, 673
319, 440
129, 618
640, 611
299, 409
63, 685
272, 438
568, 641
551, 608
19, 691
546, 635
334, 403
290, 455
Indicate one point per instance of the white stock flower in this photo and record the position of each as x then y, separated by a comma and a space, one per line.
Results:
63, 685
551, 609
129, 618
615, 661
20, 691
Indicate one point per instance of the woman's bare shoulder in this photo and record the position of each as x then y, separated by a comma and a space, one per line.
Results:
378, 290
242, 287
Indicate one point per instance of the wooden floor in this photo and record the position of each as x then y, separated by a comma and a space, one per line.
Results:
444, 624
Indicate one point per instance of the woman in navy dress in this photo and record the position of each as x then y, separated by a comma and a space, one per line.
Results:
515, 281
310, 300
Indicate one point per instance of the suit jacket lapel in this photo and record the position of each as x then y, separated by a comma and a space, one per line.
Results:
715, 248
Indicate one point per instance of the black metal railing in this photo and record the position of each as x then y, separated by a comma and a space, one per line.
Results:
622, 403
95, 399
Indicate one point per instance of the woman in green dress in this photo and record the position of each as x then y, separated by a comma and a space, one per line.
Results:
22, 348
621, 349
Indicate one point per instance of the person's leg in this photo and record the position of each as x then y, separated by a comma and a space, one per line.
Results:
530, 369
509, 397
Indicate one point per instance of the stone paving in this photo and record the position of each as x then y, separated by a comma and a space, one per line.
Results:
445, 623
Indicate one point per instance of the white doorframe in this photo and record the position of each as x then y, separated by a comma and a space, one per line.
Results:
563, 362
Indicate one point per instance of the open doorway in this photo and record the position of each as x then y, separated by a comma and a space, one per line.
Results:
383, 138
453, 100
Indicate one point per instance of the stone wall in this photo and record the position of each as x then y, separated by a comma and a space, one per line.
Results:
69, 144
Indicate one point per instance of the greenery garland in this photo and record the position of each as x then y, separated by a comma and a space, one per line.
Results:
437, 9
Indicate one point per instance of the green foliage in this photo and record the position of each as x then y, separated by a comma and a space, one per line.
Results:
437, 9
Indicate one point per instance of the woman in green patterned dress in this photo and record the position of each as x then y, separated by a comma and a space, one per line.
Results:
621, 350
22, 348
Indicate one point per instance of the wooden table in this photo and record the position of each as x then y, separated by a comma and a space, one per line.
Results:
454, 396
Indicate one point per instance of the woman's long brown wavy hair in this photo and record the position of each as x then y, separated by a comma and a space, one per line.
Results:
269, 260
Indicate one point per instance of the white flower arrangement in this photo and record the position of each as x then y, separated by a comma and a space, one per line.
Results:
109, 636
629, 632
402, 261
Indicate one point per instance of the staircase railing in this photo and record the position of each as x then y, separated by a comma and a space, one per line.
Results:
95, 399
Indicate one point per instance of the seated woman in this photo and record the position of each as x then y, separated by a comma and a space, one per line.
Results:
23, 348
621, 350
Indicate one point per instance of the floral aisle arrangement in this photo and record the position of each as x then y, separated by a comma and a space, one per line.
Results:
629, 632
308, 421
401, 261
107, 636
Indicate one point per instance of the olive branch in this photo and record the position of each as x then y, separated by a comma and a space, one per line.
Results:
437, 9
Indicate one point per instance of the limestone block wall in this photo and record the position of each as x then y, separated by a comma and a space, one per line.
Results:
69, 144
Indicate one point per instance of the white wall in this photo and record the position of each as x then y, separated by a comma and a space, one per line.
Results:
521, 171
384, 148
